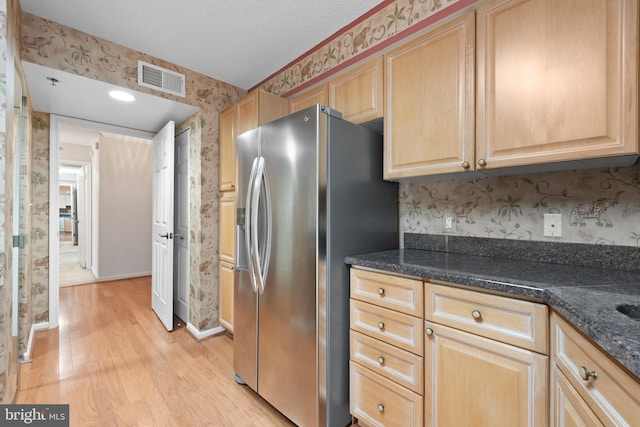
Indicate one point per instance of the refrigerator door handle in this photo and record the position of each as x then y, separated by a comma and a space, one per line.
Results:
248, 225
264, 260
260, 263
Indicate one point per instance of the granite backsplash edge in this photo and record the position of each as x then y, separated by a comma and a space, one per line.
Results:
578, 254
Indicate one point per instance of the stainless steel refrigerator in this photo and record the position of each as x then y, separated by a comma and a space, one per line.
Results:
310, 192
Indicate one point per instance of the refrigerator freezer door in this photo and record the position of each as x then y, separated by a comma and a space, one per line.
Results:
287, 375
245, 338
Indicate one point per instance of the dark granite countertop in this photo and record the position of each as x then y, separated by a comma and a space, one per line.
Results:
586, 296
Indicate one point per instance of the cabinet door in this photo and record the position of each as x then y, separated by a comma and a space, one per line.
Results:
247, 110
319, 95
357, 94
557, 80
227, 169
259, 107
226, 274
429, 103
471, 380
227, 227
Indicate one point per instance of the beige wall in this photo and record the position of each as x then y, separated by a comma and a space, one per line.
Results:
123, 218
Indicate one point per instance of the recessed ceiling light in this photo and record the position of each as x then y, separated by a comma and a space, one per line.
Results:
121, 96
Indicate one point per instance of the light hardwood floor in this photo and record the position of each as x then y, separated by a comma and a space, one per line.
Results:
114, 363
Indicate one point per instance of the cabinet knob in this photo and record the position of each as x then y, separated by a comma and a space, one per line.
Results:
381, 360
482, 162
381, 291
381, 407
428, 331
476, 314
585, 374
381, 325
466, 165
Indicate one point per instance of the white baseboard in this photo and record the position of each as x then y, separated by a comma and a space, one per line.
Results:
200, 335
121, 276
34, 328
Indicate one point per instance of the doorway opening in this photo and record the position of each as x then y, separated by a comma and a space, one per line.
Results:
74, 216
107, 236
57, 131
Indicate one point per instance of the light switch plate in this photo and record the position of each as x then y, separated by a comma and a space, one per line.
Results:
553, 225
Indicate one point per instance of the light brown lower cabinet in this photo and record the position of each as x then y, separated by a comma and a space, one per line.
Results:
386, 368
567, 407
475, 381
381, 402
484, 360
226, 274
588, 388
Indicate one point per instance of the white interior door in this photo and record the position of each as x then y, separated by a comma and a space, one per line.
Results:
162, 256
83, 229
181, 236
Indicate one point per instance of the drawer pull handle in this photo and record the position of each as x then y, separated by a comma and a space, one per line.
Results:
381, 360
482, 162
381, 407
465, 165
476, 314
585, 374
381, 291
381, 325
428, 331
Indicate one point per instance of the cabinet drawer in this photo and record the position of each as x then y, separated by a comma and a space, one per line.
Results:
395, 328
520, 323
376, 401
398, 365
614, 395
397, 293
567, 407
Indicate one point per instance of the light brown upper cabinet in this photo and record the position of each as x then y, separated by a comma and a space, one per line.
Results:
429, 102
318, 95
557, 81
254, 109
357, 94
227, 168
259, 107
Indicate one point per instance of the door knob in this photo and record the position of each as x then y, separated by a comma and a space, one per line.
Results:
166, 235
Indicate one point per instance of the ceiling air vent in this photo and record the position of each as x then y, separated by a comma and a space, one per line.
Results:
154, 77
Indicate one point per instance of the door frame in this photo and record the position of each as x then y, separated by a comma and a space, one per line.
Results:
54, 165
179, 190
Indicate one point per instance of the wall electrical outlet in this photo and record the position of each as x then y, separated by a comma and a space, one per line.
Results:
448, 223
553, 225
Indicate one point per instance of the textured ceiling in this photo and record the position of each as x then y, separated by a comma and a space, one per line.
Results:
241, 42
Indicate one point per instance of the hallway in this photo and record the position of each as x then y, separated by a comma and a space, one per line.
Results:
115, 364
71, 273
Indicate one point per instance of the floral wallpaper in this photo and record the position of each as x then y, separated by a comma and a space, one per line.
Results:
9, 55
597, 206
56, 46
383, 25
39, 218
